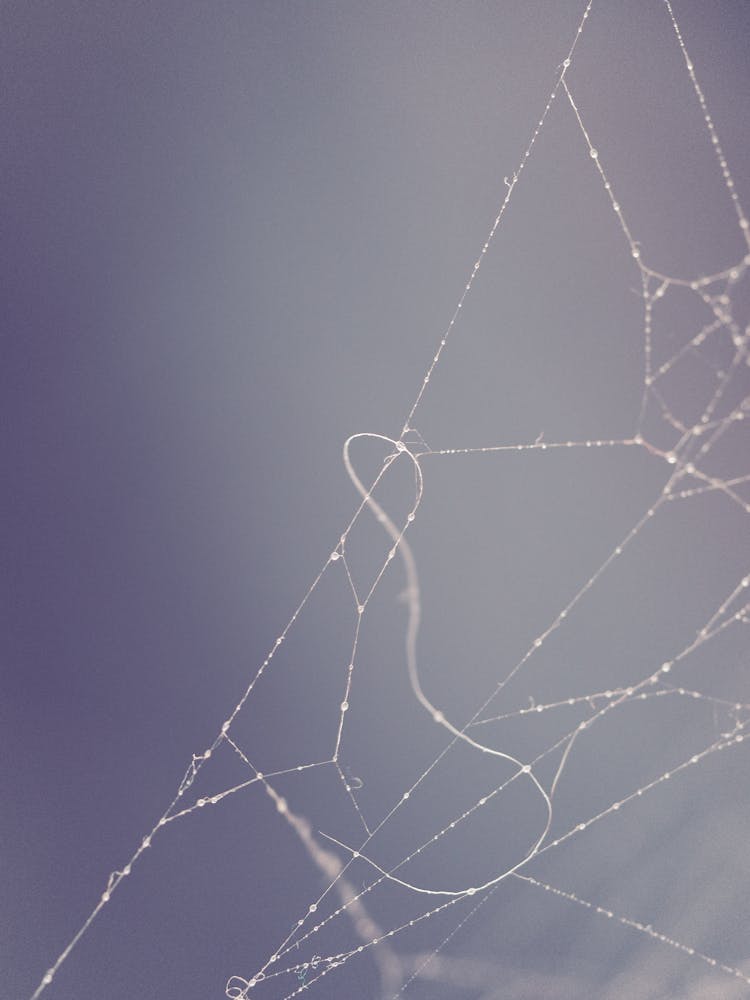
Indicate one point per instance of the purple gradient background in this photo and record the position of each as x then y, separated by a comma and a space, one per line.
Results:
232, 236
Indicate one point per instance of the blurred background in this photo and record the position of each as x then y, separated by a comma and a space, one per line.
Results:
233, 235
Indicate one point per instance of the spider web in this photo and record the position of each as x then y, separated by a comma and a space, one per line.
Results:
447, 780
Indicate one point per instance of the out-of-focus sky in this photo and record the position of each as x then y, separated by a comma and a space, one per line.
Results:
233, 235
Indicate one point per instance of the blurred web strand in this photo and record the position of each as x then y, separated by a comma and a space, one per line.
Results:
686, 479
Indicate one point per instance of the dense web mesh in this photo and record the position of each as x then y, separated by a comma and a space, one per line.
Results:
431, 806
